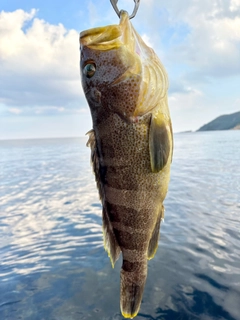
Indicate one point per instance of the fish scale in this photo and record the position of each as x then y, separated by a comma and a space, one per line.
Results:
125, 85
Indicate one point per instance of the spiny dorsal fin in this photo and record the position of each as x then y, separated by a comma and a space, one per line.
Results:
95, 160
110, 242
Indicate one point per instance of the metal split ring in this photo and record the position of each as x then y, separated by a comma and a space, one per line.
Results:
115, 7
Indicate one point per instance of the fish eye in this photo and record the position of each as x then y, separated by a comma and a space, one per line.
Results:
89, 69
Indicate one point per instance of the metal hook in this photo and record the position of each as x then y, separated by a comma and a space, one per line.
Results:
114, 4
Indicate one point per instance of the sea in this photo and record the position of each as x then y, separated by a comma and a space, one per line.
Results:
52, 262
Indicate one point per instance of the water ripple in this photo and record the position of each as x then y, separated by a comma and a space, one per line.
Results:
53, 265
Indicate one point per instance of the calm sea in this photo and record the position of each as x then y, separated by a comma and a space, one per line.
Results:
52, 262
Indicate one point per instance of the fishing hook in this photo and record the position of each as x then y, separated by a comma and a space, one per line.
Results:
114, 4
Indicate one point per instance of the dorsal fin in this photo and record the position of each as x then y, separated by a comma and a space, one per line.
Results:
110, 242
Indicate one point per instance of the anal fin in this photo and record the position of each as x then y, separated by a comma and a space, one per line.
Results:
110, 242
153, 244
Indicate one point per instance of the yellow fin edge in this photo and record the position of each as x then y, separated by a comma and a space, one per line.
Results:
129, 316
153, 255
107, 250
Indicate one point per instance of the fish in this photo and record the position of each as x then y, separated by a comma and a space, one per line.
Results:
131, 141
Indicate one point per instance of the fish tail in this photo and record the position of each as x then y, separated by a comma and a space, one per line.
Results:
133, 278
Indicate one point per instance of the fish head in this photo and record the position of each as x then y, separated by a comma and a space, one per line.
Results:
110, 68
115, 66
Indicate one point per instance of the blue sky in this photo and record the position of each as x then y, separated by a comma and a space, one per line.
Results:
40, 89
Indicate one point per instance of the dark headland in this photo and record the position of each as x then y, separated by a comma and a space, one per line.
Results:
224, 122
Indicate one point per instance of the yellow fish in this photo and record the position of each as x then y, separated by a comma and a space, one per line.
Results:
131, 143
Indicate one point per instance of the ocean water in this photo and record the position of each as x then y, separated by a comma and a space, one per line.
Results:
52, 262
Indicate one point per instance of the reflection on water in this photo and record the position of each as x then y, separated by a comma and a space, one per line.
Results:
53, 265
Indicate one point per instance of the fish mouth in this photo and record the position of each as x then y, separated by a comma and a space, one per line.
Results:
110, 37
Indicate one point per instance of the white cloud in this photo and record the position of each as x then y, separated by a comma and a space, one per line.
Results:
213, 46
39, 64
197, 41
199, 44
205, 35
235, 5
184, 107
15, 110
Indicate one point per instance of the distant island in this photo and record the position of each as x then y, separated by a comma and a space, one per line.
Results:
224, 122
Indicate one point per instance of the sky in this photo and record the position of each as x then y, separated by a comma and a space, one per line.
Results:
198, 42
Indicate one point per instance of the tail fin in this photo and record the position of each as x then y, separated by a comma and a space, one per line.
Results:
132, 286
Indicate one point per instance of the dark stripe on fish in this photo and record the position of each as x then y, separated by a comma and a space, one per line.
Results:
133, 266
127, 240
129, 217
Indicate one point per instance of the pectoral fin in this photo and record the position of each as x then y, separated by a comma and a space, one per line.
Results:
160, 142
153, 244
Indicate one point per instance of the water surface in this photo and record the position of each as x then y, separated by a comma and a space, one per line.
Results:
52, 262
